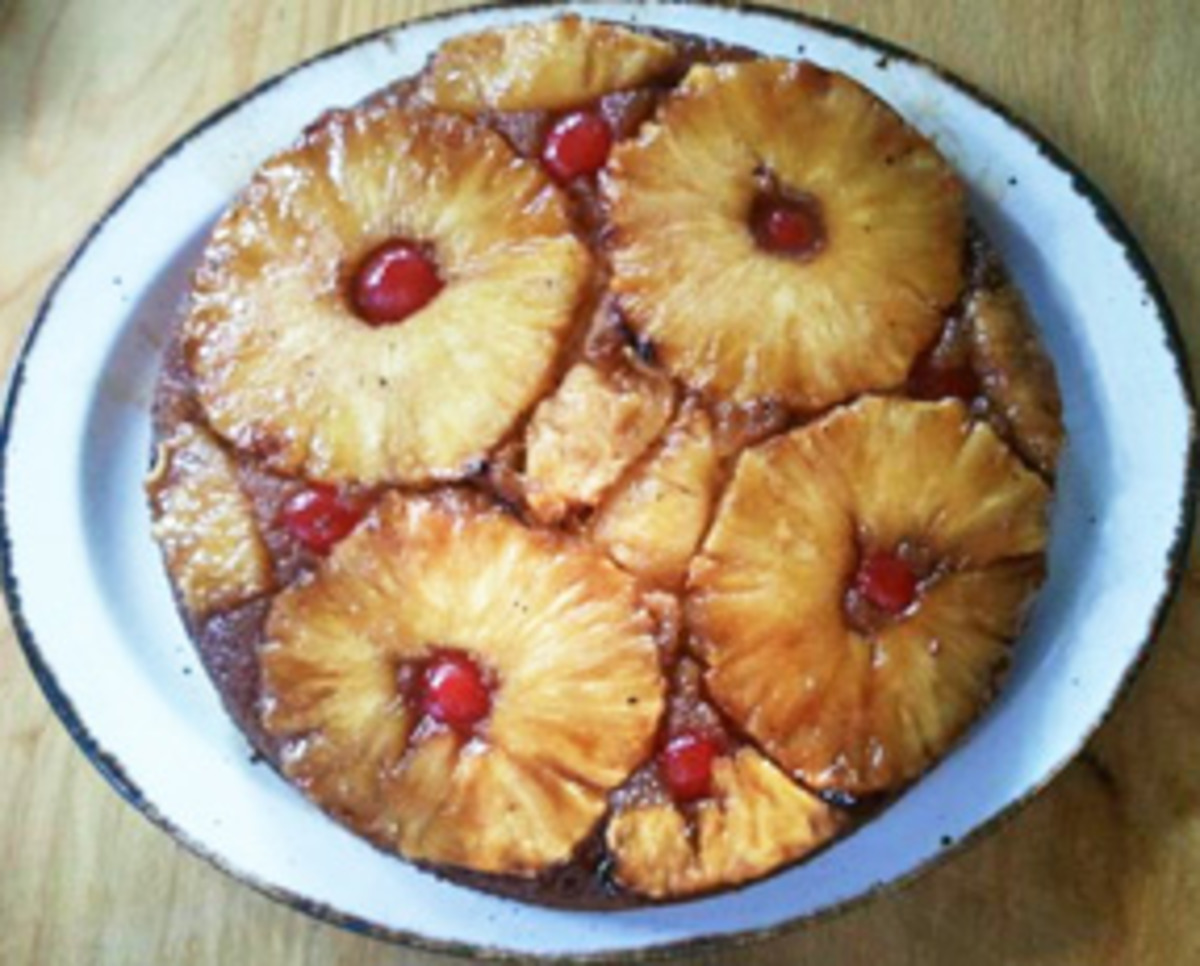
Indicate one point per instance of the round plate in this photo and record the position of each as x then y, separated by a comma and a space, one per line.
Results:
93, 610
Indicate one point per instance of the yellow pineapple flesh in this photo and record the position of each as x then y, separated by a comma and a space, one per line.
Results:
563, 635
742, 322
584, 437
283, 366
756, 820
922, 700
653, 522
1018, 377
840, 706
551, 65
205, 524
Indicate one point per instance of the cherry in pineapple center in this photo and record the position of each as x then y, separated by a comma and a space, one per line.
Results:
395, 280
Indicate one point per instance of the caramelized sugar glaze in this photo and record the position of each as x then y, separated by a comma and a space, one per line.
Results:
767, 734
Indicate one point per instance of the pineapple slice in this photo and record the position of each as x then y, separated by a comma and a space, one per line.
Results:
545, 66
863, 709
285, 368
858, 254
585, 436
654, 521
756, 820
576, 691
205, 524
1018, 377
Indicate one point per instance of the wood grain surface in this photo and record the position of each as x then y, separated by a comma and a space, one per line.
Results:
1103, 868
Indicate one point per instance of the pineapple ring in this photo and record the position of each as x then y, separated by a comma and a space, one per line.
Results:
560, 628
204, 524
734, 319
283, 366
547, 66
840, 709
756, 820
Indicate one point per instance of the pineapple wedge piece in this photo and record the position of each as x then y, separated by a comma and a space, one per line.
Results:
1018, 376
286, 369
205, 524
547, 66
576, 699
743, 322
654, 521
839, 706
756, 820
585, 436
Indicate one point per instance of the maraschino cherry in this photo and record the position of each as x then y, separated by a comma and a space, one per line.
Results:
320, 515
687, 766
454, 692
395, 280
886, 581
578, 144
787, 226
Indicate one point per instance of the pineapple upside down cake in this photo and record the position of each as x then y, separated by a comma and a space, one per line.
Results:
607, 466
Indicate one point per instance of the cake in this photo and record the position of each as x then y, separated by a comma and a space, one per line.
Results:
607, 466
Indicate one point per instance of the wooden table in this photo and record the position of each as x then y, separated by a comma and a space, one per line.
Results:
1102, 868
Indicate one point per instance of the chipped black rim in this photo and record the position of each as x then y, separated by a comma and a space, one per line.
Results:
114, 773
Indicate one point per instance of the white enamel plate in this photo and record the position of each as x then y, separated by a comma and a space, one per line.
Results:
93, 610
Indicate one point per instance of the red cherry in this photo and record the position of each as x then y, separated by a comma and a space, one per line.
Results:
932, 380
320, 516
886, 581
687, 766
787, 226
578, 144
455, 693
393, 282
